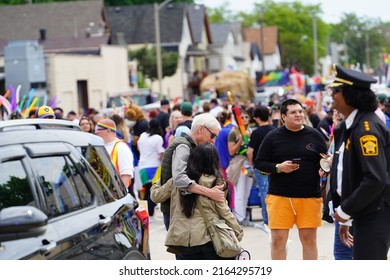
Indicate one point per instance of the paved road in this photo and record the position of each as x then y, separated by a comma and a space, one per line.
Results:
255, 241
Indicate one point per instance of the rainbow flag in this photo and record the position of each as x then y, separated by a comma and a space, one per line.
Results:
246, 170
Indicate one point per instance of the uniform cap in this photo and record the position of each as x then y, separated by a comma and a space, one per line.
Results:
348, 77
44, 112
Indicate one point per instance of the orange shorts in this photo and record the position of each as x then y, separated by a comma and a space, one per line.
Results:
284, 212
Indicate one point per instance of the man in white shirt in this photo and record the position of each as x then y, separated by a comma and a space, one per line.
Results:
119, 151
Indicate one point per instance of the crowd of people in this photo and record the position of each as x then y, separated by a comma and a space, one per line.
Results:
180, 157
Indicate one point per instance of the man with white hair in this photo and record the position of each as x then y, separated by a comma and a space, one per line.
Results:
205, 128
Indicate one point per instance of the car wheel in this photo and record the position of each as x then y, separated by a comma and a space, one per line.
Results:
134, 255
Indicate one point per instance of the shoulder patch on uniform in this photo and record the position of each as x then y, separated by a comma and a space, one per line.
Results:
366, 125
369, 145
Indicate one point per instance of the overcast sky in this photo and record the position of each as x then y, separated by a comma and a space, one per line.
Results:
332, 9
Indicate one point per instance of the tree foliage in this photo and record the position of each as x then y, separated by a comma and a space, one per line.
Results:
364, 38
146, 58
295, 25
220, 14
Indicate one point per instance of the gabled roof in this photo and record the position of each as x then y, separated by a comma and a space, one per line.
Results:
136, 22
220, 32
59, 20
198, 20
270, 36
237, 29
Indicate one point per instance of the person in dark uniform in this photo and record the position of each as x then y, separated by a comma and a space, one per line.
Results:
360, 169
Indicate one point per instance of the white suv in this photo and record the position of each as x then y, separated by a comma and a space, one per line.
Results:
61, 198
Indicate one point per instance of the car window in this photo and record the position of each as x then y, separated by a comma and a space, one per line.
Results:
101, 163
62, 185
14, 187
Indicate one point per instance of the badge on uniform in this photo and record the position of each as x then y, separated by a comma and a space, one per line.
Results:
369, 145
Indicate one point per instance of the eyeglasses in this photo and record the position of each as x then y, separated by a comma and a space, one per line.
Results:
212, 134
295, 112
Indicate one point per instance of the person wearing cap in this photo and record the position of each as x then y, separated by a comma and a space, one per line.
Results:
120, 153
45, 112
163, 115
186, 112
360, 169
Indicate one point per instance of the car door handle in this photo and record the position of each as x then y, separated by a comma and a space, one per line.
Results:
47, 246
104, 222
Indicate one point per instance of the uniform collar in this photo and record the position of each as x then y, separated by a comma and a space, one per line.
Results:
349, 120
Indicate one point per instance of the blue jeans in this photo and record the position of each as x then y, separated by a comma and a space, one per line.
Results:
262, 182
340, 250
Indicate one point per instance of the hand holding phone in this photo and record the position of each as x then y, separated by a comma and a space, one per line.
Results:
296, 160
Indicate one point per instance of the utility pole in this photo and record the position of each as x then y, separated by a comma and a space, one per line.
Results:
262, 42
262, 48
315, 47
368, 51
157, 8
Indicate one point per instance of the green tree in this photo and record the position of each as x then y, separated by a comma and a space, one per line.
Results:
146, 58
220, 14
295, 25
364, 39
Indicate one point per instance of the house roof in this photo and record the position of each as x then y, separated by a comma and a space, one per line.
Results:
220, 32
136, 22
253, 35
198, 20
64, 20
86, 45
60, 19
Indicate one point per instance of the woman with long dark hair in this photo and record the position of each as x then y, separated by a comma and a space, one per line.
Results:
150, 146
187, 235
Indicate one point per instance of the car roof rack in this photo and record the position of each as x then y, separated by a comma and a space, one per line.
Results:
35, 124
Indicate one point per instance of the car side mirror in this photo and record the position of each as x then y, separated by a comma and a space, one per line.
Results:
21, 222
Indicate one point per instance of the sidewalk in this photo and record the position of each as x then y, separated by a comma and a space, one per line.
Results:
255, 240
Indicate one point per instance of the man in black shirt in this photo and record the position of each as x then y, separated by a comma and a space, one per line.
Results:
186, 112
291, 155
262, 117
163, 115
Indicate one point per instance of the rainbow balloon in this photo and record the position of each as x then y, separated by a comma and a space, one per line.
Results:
5, 96
5, 103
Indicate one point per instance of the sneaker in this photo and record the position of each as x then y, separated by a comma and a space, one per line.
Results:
266, 228
245, 223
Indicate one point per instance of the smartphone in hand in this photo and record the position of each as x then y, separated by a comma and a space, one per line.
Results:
296, 160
